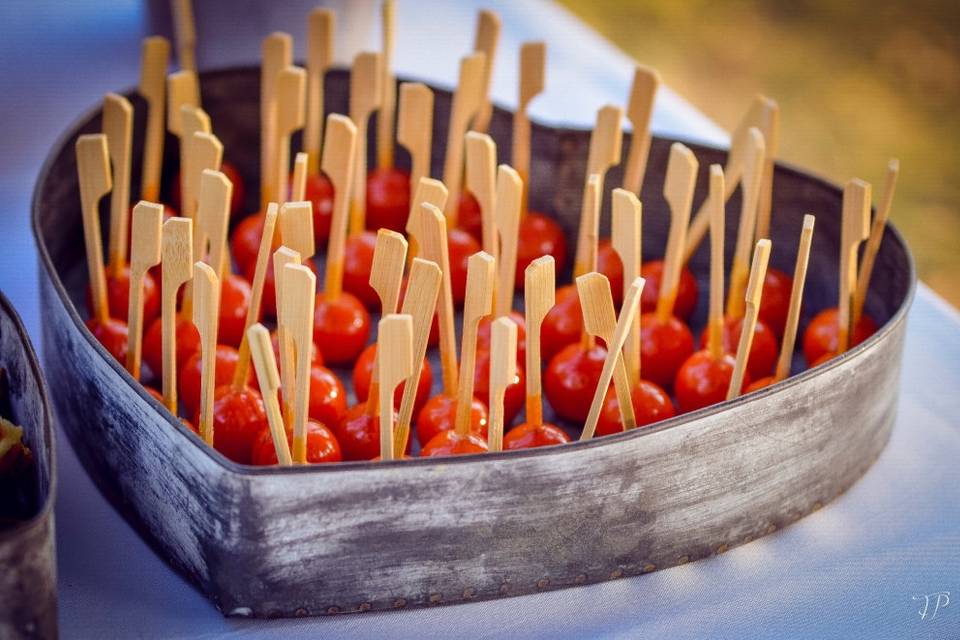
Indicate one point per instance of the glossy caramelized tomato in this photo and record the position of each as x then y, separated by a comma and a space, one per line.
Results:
315, 356
571, 379
469, 216
664, 346
363, 369
439, 414
118, 295
359, 433
231, 173
322, 446
319, 192
650, 404
610, 265
461, 246
704, 380
245, 241
188, 382
156, 395
434, 337
539, 235
357, 262
563, 324
112, 334
529, 436
762, 383
238, 417
775, 300
515, 394
652, 272
188, 343
328, 398
448, 443
235, 297
483, 335
341, 327
268, 301
822, 334
388, 199
764, 349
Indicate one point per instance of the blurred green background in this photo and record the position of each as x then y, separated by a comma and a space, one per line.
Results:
858, 83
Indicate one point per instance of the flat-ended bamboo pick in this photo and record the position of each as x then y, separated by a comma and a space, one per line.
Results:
770, 128
590, 227
796, 300
394, 365
210, 228
298, 186
204, 152
154, 59
93, 170
185, 33
873, 242
320, 29
386, 274
291, 93
678, 192
717, 213
509, 199
299, 287
433, 247
854, 230
420, 301
183, 91
758, 270
503, 371
265, 365
365, 94
118, 127
467, 99
295, 223
600, 320
144, 254
533, 62
625, 236
485, 40
338, 164
477, 305
281, 258
539, 292
415, 128
206, 291
646, 81
176, 266
482, 183
388, 88
629, 309
428, 191
605, 148
277, 55
750, 187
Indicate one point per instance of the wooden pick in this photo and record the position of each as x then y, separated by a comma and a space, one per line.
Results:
481, 182
796, 299
750, 187
386, 273
281, 258
193, 120
420, 303
646, 81
758, 270
477, 305
118, 127
185, 33
627, 312
176, 266
717, 214
182, 90
210, 230
539, 292
338, 163
485, 40
873, 242
296, 227
605, 148
154, 59
625, 235
509, 198
467, 99
415, 128
589, 227
144, 254
770, 128
204, 151
256, 295
394, 365
291, 94
93, 169
855, 229
678, 191
533, 62
299, 288
298, 189
365, 94
429, 191
265, 364
600, 320
433, 245
206, 288
388, 88
276, 53
503, 371
320, 30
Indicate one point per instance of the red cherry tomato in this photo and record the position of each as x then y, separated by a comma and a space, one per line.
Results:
434, 337
235, 297
319, 192
439, 414
363, 369
571, 380
388, 199
112, 334
238, 418
775, 300
322, 446
469, 216
268, 300
664, 346
762, 383
341, 327
539, 235
764, 349
704, 380
359, 433
245, 241
188, 383
528, 436
448, 443
483, 335
515, 395
156, 395
461, 246
315, 357
563, 324
357, 262
188, 343
328, 398
610, 265
822, 334
118, 295
650, 404
652, 272
231, 173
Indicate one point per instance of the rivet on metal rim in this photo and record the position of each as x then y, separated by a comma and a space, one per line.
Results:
399, 603
817, 505
747, 538
469, 593
580, 579
771, 529
683, 559
543, 583
647, 568
722, 548
616, 573
435, 598
504, 588
333, 609
300, 612
364, 606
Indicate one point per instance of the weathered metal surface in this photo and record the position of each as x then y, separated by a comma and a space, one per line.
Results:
368, 536
28, 577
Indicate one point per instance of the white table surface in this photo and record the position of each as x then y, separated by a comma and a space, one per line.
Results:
856, 568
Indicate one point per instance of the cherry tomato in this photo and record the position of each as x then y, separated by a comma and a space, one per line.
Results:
515, 395
652, 272
762, 383
461, 246
704, 380
238, 418
610, 265
528, 436
357, 262
764, 349
775, 300
448, 443
563, 324
571, 379
188, 382
359, 433
650, 404
315, 356
235, 297
188, 343
439, 414
469, 216
434, 338
245, 241
830, 355
664, 346
328, 398
363, 369
539, 235
341, 327
156, 395
822, 334
118, 295
268, 300
388, 199
112, 334
322, 446
231, 173
319, 191
483, 335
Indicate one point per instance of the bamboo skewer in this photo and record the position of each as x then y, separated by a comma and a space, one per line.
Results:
477, 305
93, 169
176, 266
433, 245
144, 254
386, 274
758, 270
118, 127
281, 258
276, 53
265, 364
291, 94
540, 295
873, 242
210, 228
467, 99
193, 120
298, 186
394, 365
204, 151
481, 182
295, 223
183, 91
855, 229
338, 164
365, 95
320, 29
631, 302
590, 227
646, 81
750, 183
415, 129
533, 59
485, 40
625, 235
770, 128
605, 148
509, 200
717, 213
206, 287
155, 57
429, 191
388, 87
299, 287
796, 299
503, 371
678, 192
185, 33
